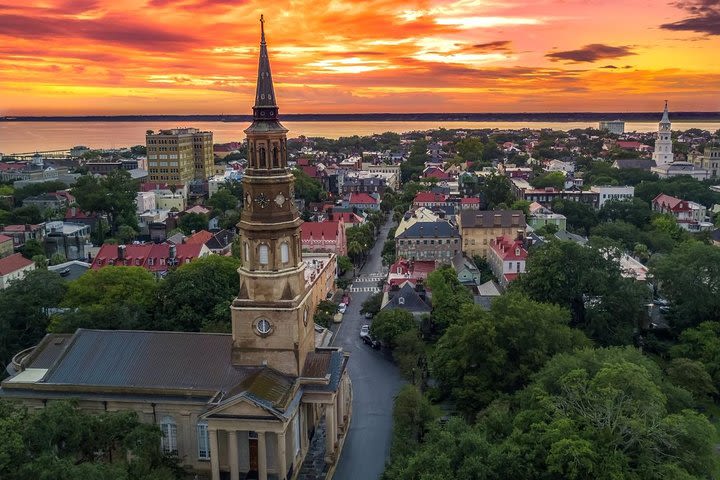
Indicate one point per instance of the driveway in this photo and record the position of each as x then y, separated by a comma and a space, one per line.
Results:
375, 381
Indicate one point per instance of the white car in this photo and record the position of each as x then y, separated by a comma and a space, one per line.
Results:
364, 331
342, 307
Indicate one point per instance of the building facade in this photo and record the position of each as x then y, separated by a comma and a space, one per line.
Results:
710, 159
239, 405
179, 155
689, 215
324, 237
6, 246
438, 241
613, 126
610, 192
479, 228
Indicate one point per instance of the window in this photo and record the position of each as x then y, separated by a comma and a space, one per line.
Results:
263, 252
247, 252
284, 252
401, 301
203, 440
168, 442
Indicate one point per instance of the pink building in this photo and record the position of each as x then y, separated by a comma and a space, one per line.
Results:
324, 237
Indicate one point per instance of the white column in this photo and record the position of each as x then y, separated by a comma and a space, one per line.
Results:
341, 405
233, 453
330, 429
214, 454
262, 456
282, 456
304, 418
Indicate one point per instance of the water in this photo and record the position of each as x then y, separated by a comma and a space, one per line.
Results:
20, 137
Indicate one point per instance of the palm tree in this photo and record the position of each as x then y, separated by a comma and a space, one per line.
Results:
355, 249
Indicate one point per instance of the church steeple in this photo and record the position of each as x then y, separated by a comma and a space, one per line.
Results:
665, 118
265, 107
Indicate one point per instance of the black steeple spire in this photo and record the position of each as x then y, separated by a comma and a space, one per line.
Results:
265, 105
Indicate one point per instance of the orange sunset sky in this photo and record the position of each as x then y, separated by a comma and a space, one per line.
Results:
80, 57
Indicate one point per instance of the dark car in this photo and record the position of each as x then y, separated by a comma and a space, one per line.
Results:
369, 340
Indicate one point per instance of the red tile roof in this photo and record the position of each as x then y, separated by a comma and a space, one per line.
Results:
150, 256
469, 201
629, 145
319, 230
310, 170
201, 237
7, 167
508, 249
362, 198
77, 214
670, 202
427, 197
21, 228
5, 238
13, 263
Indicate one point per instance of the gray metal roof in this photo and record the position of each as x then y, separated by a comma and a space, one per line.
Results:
439, 229
170, 360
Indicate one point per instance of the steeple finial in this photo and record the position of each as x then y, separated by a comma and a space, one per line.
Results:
262, 31
265, 105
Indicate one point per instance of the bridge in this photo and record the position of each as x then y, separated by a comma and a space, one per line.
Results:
42, 153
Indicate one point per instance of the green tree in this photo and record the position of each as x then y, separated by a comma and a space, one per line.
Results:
109, 298
32, 248
197, 296
222, 201
126, 234
372, 304
470, 149
702, 344
580, 216
62, 442
634, 211
24, 310
555, 180
449, 295
589, 282
486, 354
193, 222
389, 324
344, 264
690, 278
413, 415
307, 187
112, 195
495, 189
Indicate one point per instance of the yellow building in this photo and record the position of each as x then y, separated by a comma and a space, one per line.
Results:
179, 155
479, 228
240, 405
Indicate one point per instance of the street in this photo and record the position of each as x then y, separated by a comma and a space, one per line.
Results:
375, 382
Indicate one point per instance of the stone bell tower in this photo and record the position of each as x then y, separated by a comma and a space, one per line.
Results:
270, 321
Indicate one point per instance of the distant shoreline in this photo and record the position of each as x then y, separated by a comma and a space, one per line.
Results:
391, 117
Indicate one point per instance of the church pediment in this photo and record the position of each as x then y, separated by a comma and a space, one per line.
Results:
240, 406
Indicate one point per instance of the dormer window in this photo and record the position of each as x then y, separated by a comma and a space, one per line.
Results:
401, 301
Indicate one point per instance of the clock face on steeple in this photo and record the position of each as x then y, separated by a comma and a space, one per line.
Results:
262, 200
280, 199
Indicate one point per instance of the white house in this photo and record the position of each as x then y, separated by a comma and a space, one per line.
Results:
14, 267
610, 192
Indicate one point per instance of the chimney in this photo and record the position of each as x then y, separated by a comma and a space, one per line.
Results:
520, 235
73, 211
172, 251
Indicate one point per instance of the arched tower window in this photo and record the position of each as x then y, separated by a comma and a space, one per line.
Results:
284, 252
263, 254
251, 149
168, 427
276, 160
263, 160
247, 252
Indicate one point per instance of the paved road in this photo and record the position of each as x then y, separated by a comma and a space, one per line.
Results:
375, 381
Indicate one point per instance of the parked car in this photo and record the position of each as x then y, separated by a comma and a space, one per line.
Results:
368, 339
364, 331
342, 307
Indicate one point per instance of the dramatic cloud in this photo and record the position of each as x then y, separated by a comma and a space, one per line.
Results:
705, 17
498, 45
591, 53
200, 56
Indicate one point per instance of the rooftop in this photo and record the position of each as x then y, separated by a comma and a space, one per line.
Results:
13, 263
